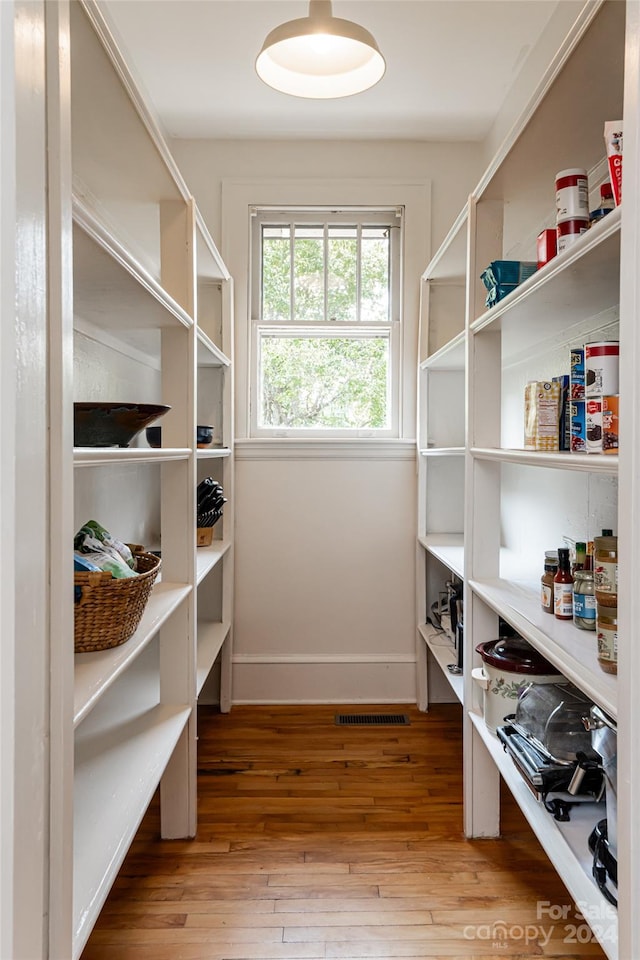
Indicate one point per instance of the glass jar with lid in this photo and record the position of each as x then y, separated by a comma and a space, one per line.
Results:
607, 636
584, 600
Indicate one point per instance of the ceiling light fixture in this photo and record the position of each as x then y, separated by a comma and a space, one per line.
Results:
320, 56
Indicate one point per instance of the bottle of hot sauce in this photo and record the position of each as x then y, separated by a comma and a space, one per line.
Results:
563, 587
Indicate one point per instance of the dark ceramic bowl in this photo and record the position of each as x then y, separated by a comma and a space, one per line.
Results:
204, 436
154, 436
112, 424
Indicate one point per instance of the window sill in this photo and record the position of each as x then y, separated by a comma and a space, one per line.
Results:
303, 448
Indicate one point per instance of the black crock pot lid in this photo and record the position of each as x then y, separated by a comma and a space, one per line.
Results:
514, 655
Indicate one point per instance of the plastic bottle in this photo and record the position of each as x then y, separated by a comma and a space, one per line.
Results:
563, 587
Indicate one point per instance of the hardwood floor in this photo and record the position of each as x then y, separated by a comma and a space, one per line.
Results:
325, 841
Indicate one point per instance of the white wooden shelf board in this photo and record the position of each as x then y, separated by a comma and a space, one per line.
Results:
444, 655
94, 673
572, 651
450, 260
107, 456
209, 263
583, 281
564, 460
208, 354
442, 451
111, 288
448, 548
449, 357
564, 843
121, 753
211, 637
208, 557
213, 453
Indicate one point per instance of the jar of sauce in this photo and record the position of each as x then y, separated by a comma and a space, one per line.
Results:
607, 636
606, 570
546, 580
563, 587
584, 600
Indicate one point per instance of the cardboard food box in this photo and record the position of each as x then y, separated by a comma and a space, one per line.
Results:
542, 408
610, 424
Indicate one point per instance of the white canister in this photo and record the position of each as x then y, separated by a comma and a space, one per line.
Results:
572, 194
601, 366
509, 664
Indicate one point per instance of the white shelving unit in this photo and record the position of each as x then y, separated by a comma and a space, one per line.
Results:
147, 317
512, 504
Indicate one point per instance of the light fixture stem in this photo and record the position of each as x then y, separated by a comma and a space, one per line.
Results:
320, 9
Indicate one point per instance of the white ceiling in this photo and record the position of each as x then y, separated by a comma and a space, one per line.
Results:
450, 65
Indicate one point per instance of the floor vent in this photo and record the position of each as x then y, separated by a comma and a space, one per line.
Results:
377, 719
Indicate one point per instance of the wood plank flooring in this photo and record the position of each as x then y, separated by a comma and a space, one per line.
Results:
324, 841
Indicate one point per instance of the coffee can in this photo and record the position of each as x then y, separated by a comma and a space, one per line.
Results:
601, 367
572, 194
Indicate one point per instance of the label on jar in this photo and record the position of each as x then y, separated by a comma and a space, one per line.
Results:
546, 596
605, 576
584, 606
563, 600
607, 643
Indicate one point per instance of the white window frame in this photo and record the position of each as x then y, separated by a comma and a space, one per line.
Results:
392, 329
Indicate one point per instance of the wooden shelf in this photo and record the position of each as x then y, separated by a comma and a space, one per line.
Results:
572, 651
450, 357
208, 354
213, 453
107, 456
448, 548
584, 463
442, 451
94, 673
582, 282
112, 289
121, 752
564, 843
211, 638
208, 557
445, 655
449, 264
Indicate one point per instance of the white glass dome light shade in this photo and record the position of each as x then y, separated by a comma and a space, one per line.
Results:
320, 57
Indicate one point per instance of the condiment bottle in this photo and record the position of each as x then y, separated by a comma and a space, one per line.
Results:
546, 580
563, 587
584, 601
606, 569
581, 556
607, 636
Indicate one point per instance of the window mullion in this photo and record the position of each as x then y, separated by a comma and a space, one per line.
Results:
292, 261
358, 272
325, 268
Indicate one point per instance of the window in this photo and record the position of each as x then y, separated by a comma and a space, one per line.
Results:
325, 322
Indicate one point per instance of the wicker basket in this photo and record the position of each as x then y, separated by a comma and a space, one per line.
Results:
107, 611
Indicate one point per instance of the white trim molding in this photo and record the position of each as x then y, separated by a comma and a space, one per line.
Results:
294, 448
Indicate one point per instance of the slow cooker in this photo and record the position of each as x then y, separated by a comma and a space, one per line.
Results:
508, 665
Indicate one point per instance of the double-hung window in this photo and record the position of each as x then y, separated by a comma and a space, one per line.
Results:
325, 302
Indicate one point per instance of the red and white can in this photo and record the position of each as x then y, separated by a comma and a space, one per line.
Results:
568, 231
572, 194
601, 367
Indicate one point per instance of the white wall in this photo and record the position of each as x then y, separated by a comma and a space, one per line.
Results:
325, 541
